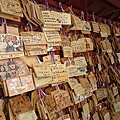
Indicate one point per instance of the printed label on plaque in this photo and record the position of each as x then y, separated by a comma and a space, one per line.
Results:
32, 53
33, 38
35, 47
52, 36
57, 59
84, 82
54, 44
5, 55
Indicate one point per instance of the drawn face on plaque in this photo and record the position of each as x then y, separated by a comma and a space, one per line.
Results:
12, 67
2, 68
3, 73
11, 43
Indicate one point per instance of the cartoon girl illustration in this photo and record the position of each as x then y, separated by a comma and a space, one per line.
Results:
3, 73
12, 42
13, 69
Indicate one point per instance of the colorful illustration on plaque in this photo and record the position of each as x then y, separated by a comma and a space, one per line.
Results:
86, 26
20, 85
3, 73
10, 43
12, 69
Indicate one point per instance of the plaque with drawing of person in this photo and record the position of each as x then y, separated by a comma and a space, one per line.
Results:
17, 68
3, 73
10, 43
13, 69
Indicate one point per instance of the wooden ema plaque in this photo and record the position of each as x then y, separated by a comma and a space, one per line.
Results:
11, 7
20, 85
20, 104
12, 69
52, 17
42, 70
33, 38
11, 46
52, 36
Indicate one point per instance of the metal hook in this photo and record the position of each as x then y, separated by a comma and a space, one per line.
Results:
105, 21
93, 16
60, 4
82, 15
46, 4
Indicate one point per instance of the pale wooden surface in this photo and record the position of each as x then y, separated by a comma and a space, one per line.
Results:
116, 116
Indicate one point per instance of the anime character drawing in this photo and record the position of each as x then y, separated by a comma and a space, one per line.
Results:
3, 73
12, 43
13, 69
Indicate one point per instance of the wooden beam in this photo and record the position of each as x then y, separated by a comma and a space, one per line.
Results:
101, 3
66, 1
115, 2
101, 11
89, 4
56, 4
83, 6
113, 16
